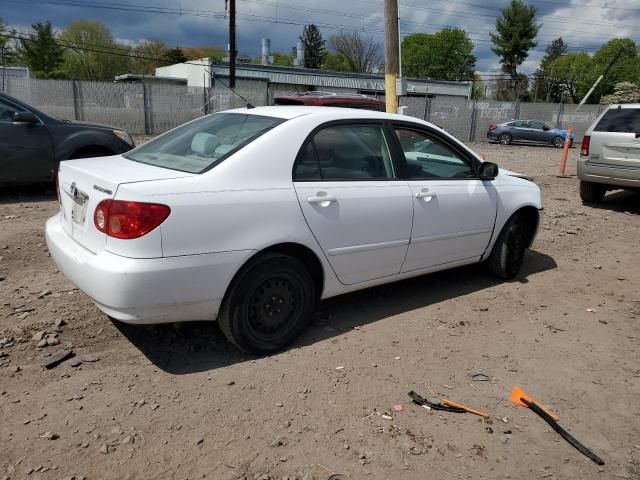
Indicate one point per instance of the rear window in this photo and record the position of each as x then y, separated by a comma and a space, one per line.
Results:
623, 120
198, 146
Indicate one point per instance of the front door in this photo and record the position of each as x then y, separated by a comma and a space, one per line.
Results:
454, 211
357, 209
26, 154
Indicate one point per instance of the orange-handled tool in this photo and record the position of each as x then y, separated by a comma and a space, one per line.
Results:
465, 408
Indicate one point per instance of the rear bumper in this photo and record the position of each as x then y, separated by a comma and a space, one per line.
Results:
154, 290
608, 174
491, 135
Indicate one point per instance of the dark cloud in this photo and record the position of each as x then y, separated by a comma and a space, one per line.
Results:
584, 24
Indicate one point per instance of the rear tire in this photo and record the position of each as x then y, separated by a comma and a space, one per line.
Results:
592, 192
504, 139
268, 304
557, 142
508, 252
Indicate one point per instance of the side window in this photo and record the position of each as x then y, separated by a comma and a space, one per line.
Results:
307, 167
428, 157
536, 125
351, 152
6, 112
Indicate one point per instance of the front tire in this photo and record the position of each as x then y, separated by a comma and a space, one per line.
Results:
508, 252
268, 304
592, 192
558, 142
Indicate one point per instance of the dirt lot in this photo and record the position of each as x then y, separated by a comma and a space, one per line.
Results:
177, 401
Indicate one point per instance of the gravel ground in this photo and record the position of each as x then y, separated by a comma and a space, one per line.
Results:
177, 401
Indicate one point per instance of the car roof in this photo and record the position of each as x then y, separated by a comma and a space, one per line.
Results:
330, 113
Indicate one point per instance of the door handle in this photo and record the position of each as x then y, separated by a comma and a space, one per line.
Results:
426, 196
324, 201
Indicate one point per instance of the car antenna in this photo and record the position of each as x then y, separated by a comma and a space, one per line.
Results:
248, 104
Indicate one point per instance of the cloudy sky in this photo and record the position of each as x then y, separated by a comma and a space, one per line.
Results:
584, 24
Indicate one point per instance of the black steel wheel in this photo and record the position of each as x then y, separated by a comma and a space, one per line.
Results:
268, 304
509, 250
504, 138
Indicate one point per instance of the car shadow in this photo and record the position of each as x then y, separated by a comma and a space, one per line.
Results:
627, 201
184, 348
27, 194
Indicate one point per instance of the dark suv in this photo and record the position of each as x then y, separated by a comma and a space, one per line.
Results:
32, 143
330, 99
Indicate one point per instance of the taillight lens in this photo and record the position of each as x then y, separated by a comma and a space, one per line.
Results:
584, 149
492, 126
127, 220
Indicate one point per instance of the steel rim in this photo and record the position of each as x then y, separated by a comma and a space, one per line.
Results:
274, 306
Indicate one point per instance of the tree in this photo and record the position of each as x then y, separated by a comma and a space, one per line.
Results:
626, 68
176, 55
624, 92
444, 55
208, 51
355, 53
7, 45
147, 56
92, 53
516, 32
314, 51
543, 87
570, 73
41, 52
336, 62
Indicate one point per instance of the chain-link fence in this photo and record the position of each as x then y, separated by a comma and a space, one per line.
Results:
153, 108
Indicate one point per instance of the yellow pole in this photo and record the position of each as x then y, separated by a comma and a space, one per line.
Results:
391, 56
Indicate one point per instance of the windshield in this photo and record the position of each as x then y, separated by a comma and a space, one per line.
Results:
198, 146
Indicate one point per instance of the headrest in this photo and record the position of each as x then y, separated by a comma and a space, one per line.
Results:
204, 144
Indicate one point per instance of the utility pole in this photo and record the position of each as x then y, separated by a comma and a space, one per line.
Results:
232, 43
606, 70
391, 56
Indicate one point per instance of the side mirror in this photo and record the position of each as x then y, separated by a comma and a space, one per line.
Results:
24, 117
488, 171
546, 129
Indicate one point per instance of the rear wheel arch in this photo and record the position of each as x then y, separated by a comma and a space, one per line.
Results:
300, 252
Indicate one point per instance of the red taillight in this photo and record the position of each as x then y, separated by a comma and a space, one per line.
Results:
126, 220
492, 126
584, 149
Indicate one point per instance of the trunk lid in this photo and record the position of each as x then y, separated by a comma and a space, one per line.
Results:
85, 183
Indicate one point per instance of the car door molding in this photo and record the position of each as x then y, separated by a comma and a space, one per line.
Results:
366, 247
447, 236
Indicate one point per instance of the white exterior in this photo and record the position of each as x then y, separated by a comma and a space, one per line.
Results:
195, 72
614, 157
363, 233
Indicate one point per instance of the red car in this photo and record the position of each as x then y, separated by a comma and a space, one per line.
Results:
330, 99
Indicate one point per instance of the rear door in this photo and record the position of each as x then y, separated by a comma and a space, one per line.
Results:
26, 153
358, 210
518, 130
616, 138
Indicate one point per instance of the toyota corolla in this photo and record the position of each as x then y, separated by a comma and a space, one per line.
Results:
251, 216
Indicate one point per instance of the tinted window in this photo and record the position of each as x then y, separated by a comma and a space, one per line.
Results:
7, 110
624, 120
352, 153
536, 125
519, 123
429, 157
198, 146
307, 167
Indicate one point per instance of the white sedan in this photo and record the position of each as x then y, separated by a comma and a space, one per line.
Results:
251, 216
